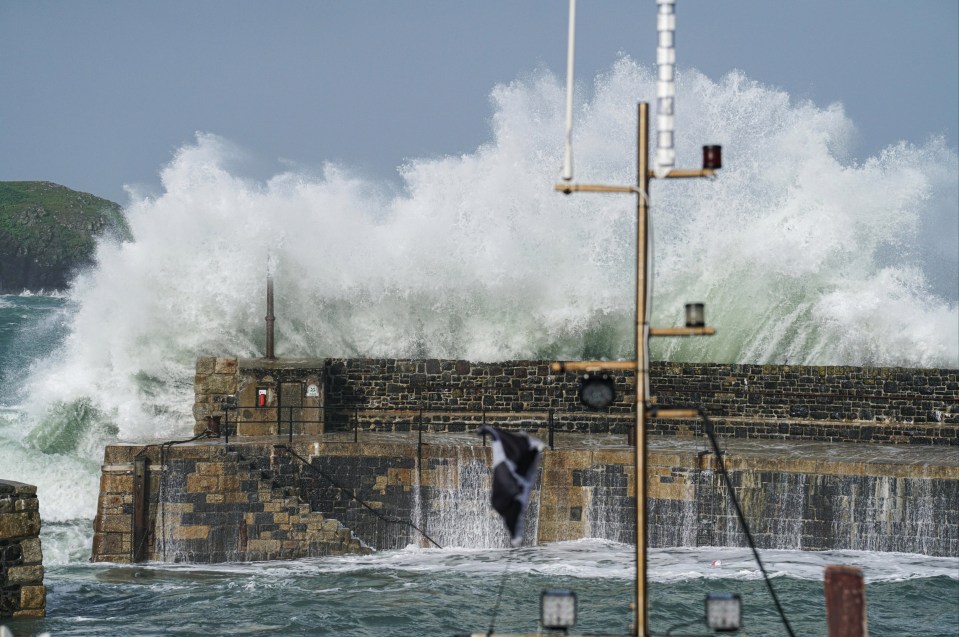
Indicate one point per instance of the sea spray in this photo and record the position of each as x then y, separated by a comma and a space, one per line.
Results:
800, 255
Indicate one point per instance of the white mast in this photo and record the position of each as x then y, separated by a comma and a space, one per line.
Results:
568, 159
665, 87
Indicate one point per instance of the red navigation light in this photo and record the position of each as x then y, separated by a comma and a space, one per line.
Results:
712, 157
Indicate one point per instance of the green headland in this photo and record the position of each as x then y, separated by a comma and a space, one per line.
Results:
48, 232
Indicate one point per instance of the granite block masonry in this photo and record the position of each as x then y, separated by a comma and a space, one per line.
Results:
207, 503
780, 402
269, 396
252, 501
22, 593
217, 500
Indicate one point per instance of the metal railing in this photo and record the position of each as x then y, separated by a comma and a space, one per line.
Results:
289, 421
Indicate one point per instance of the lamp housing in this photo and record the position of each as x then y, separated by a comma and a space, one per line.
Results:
724, 612
695, 315
712, 157
557, 609
597, 390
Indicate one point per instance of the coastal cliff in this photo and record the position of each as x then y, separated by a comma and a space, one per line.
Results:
48, 232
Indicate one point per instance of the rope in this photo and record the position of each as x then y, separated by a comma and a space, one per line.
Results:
708, 427
499, 596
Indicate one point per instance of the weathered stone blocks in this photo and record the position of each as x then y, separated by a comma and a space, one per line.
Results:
835, 404
218, 504
22, 593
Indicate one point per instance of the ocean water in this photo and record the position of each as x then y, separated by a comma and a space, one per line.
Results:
451, 591
476, 257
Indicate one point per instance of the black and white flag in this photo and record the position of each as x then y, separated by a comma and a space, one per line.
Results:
515, 460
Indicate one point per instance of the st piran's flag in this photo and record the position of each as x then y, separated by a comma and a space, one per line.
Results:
515, 460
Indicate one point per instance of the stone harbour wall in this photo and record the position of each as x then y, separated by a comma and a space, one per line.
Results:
213, 502
832, 404
22, 593
208, 503
790, 501
292, 393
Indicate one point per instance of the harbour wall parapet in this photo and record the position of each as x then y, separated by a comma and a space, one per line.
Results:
830, 404
22, 593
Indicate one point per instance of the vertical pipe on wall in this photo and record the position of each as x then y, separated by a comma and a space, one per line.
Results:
551, 429
419, 444
140, 508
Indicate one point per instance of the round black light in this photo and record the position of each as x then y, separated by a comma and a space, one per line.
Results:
596, 391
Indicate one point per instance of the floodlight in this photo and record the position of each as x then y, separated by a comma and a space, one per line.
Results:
557, 609
596, 391
723, 612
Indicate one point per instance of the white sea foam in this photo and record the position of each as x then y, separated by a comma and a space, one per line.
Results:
598, 559
800, 256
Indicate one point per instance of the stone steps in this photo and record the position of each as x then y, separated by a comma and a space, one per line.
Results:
287, 528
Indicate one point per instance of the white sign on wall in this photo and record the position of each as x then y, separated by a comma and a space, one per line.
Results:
312, 391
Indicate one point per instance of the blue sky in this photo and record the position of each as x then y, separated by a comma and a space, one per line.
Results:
99, 94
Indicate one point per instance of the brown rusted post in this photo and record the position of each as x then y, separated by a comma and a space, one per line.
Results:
269, 318
845, 601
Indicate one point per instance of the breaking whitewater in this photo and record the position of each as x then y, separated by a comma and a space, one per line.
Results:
801, 254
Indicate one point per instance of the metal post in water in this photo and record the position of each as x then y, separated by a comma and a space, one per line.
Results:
270, 319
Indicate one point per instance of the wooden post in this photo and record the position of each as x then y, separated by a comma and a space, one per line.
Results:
845, 601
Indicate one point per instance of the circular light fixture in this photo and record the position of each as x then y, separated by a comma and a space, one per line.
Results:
597, 391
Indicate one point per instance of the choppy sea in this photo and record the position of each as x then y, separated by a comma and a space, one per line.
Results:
406, 592
476, 257
451, 591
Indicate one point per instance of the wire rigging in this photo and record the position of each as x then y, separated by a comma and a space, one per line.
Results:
711, 434
499, 597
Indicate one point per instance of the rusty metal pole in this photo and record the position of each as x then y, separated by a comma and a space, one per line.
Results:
845, 601
642, 332
269, 317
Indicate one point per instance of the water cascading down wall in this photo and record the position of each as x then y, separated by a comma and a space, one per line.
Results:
820, 458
